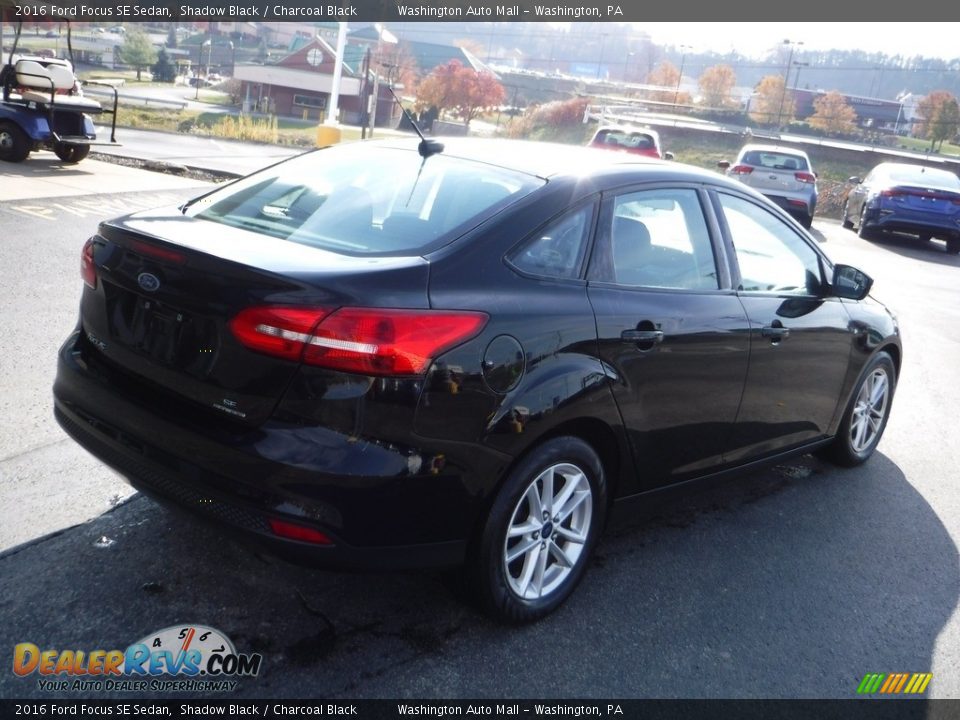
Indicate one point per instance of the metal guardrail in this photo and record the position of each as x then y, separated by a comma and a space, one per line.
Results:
144, 100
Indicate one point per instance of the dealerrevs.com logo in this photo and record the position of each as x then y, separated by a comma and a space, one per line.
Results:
187, 658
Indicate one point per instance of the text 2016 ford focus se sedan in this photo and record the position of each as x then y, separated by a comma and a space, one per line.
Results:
385, 354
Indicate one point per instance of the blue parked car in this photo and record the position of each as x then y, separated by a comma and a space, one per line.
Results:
914, 199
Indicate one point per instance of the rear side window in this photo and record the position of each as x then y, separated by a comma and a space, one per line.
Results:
367, 199
557, 250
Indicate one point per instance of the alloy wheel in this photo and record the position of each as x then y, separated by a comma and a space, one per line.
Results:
548, 531
869, 410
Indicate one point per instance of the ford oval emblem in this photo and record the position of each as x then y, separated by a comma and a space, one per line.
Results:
148, 282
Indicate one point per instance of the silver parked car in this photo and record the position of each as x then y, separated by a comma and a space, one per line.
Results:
782, 174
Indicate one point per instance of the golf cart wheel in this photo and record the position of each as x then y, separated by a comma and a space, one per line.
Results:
70, 153
14, 145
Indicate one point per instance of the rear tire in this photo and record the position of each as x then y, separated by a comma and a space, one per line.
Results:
953, 246
862, 231
14, 144
806, 221
541, 530
866, 415
70, 153
846, 221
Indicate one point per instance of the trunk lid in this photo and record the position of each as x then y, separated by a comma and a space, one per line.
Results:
168, 286
931, 200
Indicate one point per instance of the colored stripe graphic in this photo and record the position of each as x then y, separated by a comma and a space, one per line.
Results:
870, 683
894, 683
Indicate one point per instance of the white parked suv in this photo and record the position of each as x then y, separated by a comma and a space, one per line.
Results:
782, 174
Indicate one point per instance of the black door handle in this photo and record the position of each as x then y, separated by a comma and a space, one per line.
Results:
642, 336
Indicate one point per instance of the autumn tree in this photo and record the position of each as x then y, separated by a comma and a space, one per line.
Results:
770, 105
833, 114
716, 84
137, 50
667, 76
941, 117
460, 89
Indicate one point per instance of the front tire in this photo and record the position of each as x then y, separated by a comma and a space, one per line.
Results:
14, 144
70, 153
541, 530
866, 416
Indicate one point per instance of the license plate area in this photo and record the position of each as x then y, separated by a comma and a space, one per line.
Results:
162, 332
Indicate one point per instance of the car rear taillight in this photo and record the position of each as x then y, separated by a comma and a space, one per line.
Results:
892, 193
279, 331
88, 267
370, 341
741, 169
805, 177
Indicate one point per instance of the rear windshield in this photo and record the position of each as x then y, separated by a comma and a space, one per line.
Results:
625, 139
918, 175
775, 160
367, 199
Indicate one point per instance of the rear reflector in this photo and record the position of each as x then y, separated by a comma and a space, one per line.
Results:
369, 341
88, 267
291, 531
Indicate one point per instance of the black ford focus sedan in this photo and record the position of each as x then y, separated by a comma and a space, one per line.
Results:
391, 355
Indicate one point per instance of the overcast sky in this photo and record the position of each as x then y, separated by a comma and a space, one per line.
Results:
754, 39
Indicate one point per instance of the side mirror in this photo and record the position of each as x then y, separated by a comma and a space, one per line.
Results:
668, 155
854, 180
848, 282
724, 164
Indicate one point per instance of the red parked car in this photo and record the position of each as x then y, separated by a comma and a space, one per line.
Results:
636, 141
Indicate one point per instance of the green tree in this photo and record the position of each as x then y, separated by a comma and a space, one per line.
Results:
137, 50
163, 70
833, 114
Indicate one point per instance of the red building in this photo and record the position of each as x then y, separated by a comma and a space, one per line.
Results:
299, 85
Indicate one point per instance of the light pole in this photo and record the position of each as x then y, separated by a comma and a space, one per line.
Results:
206, 44
786, 78
603, 41
684, 49
233, 59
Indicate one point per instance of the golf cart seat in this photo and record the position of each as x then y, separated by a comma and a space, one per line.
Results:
50, 82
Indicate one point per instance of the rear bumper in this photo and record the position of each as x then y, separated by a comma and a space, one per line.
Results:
794, 204
408, 516
915, 224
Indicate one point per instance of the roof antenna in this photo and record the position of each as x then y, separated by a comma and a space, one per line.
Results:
426, 147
